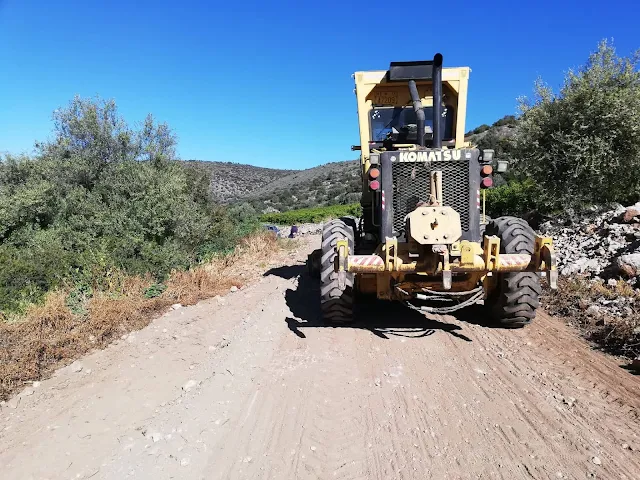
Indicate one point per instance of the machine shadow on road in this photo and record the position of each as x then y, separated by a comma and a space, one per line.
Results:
383, 319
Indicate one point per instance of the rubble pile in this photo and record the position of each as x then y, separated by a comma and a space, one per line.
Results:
600, 245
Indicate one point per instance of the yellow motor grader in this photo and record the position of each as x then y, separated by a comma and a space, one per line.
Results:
423, 237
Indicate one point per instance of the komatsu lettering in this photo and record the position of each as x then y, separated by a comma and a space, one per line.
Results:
430, 156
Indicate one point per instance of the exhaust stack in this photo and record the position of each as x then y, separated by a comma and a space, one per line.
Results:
437, 100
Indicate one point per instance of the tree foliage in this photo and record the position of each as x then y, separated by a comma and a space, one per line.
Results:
102, 197
582, 144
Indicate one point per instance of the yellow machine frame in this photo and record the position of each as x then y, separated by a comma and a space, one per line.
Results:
372, 85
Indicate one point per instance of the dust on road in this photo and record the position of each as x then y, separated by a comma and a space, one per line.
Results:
255, 387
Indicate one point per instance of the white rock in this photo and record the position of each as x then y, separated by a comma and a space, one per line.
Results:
156, 436
176, 306
189, 385
596, 461
593, 310
76, 367
233, 289
185, 461
35, 384
27, 392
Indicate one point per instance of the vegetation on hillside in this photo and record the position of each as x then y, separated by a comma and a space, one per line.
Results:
312, 215
101, 199
233, 181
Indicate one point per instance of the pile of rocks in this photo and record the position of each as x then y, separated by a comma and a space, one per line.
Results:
600, 244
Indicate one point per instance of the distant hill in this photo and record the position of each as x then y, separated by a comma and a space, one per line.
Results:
270, 190
496, 136
230, 181
276, 190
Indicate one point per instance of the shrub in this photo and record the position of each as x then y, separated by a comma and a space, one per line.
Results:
583, 144
513, 198
101, 199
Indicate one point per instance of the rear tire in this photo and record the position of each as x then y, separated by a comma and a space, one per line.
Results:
516, 297
336, 300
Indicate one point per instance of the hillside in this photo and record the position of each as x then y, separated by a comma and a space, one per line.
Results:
230, 181
494, 136
271, 190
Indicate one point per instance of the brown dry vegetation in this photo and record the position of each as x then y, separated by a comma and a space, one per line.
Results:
614, 334
51, 335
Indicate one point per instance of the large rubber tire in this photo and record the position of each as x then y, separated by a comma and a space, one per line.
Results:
336, 301
515, 299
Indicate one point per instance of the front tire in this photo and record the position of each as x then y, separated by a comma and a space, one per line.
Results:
336, 296
513, 302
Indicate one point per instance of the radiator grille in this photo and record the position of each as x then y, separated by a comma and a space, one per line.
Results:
412, 182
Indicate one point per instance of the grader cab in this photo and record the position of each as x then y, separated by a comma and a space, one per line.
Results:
423, 237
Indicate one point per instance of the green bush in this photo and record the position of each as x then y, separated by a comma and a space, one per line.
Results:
312, 215
513, 198
101, 198
582, 145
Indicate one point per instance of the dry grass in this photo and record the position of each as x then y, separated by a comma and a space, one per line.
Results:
51, 335
616, 335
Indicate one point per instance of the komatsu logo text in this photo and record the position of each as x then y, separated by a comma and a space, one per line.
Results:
432, 156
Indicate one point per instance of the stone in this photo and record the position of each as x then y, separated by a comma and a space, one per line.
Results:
628, 265
76, 367
176, 306
189, 385
233, 289
185, 461
631, 213
596, 461
612, 282
593, 310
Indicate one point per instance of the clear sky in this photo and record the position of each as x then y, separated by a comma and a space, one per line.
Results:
269, 82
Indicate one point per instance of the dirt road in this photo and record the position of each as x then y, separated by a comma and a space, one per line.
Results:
255, 387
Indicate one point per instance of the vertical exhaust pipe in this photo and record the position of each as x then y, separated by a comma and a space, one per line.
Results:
437, 100
417, 107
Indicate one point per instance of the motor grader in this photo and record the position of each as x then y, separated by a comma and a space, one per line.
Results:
423, 237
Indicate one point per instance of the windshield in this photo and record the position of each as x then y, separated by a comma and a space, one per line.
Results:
383, 119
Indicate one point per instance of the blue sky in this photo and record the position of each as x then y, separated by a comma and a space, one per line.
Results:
269, 83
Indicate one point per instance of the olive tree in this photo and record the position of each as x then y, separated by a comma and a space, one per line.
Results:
582, 145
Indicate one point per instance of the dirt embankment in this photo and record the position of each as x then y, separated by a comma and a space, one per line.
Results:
253, 386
